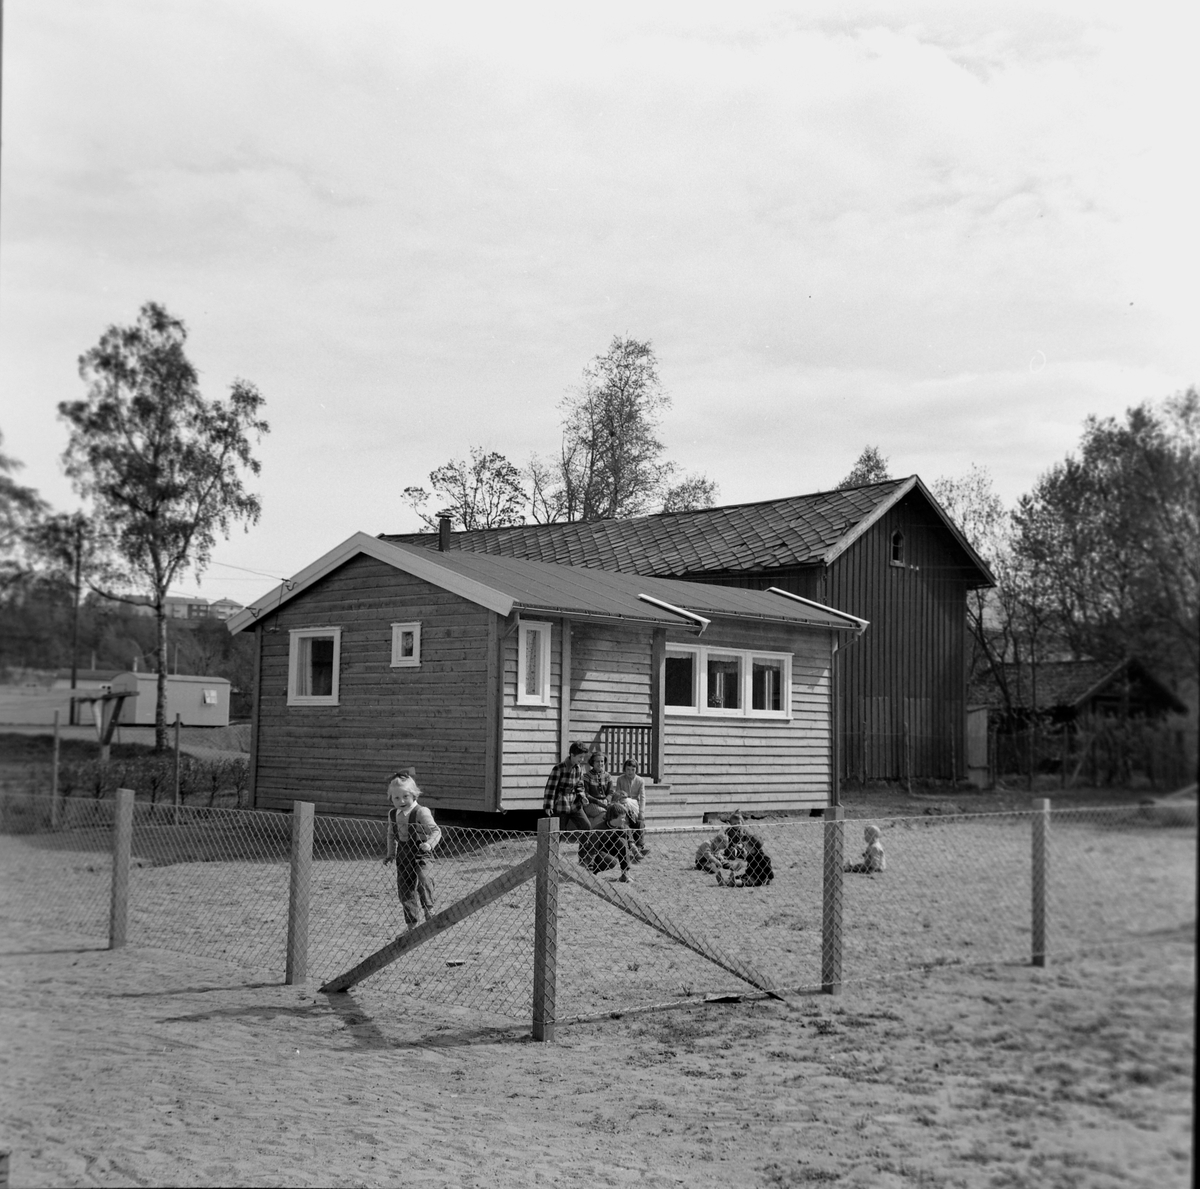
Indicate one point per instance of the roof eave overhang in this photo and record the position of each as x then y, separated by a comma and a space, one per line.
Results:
416, 562
850, 623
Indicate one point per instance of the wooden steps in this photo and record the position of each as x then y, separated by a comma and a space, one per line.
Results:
665, 809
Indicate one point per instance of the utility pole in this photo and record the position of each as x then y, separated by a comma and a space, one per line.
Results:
75, 622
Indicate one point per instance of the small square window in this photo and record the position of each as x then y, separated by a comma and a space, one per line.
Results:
406, 645
313, 664
209, 697
533, 664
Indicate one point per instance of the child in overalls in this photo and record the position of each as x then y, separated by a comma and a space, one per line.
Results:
411, 836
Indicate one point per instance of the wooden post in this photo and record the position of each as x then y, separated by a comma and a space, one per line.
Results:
907, 758
835, 729
54, 807
564, 689
658, 696
545, 930
862, 764
177, 767
831, 915
298, 892
118, 916
1041, 844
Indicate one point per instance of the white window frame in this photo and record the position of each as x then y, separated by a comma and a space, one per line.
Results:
296, 635
406, 662
542, 697
746, 658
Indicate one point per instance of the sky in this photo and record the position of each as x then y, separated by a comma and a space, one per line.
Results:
952, 231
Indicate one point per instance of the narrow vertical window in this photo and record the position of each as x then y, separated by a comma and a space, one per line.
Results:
897, 548
533, 664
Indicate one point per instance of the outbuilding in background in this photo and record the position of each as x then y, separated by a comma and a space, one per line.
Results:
199, 701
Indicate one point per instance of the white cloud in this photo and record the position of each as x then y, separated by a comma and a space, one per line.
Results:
413, 227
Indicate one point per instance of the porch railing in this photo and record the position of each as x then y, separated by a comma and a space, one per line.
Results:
620, 742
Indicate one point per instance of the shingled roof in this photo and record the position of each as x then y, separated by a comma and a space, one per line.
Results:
769, 535
508, 584
1075, 684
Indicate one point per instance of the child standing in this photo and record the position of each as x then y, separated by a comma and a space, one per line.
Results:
872, 860
411, 836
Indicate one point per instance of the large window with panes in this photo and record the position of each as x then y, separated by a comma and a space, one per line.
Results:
728, 682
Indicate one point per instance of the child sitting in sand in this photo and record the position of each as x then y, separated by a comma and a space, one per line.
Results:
710, 855
872, 860
752, 871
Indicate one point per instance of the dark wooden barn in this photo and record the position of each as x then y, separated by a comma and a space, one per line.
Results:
886, 553
480, 670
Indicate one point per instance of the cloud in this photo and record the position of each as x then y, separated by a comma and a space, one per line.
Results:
412, 227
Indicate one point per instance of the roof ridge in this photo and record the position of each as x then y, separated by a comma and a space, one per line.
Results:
647, 516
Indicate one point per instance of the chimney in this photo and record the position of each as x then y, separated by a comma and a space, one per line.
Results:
443, 533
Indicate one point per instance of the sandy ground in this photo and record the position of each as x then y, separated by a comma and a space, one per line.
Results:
145, 1066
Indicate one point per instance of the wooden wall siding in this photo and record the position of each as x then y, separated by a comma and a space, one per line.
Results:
530, 741
433, 717
760, 763
910, 665
765, 763
610, 681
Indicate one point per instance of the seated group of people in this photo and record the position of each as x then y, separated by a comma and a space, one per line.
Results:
736, 857
584, 796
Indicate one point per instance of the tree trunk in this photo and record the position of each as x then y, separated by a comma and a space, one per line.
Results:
160, 701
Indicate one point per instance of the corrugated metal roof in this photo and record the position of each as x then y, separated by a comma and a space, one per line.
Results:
547, 588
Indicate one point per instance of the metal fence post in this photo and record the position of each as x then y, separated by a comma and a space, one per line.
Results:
545, 929
298, 892
1041, 848
831, 915
118, 915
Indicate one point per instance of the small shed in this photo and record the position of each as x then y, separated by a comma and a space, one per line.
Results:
1071, 691
199, 701
480, 671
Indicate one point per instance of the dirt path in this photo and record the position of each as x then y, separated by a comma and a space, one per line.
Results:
144, 1067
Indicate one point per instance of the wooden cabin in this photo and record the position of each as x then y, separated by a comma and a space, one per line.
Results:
479, 671
886, 553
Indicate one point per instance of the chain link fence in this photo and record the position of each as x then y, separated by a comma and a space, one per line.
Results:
954, 890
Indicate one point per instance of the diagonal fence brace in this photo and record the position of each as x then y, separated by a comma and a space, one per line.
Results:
619, 898
514, 877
